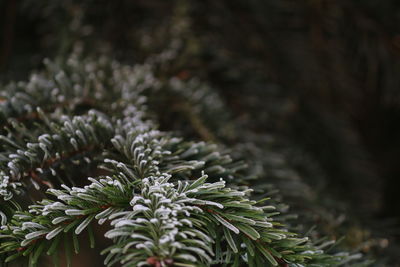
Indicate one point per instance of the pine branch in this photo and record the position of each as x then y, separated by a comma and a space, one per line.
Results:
160, 213
172, 209
55, 149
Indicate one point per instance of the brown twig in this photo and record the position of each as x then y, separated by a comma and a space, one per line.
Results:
46, 164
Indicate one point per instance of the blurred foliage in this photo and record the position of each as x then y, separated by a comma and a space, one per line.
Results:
308, 89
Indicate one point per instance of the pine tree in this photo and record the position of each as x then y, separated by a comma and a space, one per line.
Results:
83, 132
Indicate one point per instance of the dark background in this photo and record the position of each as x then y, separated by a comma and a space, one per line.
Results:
320, 76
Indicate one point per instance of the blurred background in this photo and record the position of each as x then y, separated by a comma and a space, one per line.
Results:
307, 90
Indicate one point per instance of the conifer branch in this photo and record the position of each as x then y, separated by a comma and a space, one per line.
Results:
168, 202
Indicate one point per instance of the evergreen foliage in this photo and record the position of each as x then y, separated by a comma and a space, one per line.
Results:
83, 131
